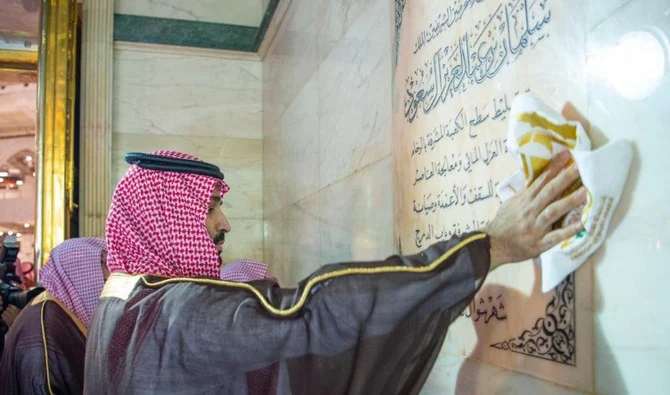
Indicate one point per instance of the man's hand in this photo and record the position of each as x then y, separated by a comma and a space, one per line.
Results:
10, 314
521, 229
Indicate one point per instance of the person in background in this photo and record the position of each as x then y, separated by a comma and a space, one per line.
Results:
11, 312
26, 272
45, 347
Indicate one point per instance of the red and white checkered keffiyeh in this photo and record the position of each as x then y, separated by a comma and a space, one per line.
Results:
245, 270
156, 223
73, 275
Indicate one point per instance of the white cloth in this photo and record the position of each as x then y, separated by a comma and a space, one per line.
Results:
536, 134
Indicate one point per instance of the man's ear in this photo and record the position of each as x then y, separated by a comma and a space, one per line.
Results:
103, 264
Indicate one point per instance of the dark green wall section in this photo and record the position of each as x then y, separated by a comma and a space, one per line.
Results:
150, 30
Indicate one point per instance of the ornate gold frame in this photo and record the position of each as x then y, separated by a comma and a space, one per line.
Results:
56, 96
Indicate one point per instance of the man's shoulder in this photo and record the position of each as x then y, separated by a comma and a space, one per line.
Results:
126, 287
185, 288
27, 326
39, 321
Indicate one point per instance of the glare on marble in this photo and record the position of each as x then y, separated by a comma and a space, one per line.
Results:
635, 66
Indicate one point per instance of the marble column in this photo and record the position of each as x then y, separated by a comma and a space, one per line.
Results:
96, 116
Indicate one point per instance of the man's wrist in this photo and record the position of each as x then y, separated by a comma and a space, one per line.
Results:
498, 252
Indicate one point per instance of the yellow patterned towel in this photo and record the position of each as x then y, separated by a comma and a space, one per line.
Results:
536, 134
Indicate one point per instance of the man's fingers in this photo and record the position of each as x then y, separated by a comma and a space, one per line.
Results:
557, 163
571, 113
555, 187
556, 236
559, 208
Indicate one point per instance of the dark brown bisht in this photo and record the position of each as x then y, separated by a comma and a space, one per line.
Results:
349, 328
44, 352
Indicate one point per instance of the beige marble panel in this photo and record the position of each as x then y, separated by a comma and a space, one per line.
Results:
357, 216
292, 241
181, 51
272, 243
291, 59
272, 98
335, 116
232, 12
239, 159
244, 241
335, 20
457, 375
303, 239
273, 162
171, 94
458, 64
600, 11
355, 97
292, 152
300, 146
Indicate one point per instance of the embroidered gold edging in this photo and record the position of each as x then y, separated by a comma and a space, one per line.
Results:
46, 297
40, 298
321, 278
43, 298
46, 350
119, 285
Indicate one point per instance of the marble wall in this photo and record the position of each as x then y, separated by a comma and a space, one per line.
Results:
448, 155
233, 12
327, 142
204, 103
632, 271
327, 181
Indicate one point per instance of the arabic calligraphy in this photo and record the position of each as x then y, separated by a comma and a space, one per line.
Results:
430, 233
460, 122
487, 308
478, 56
444, 21
596, 227
459, 67
399, 7
442, 164
458, 195
554, 336
462, 162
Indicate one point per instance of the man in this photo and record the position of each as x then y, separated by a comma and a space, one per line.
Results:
165, 324
26, 272
11, 312
45, 348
